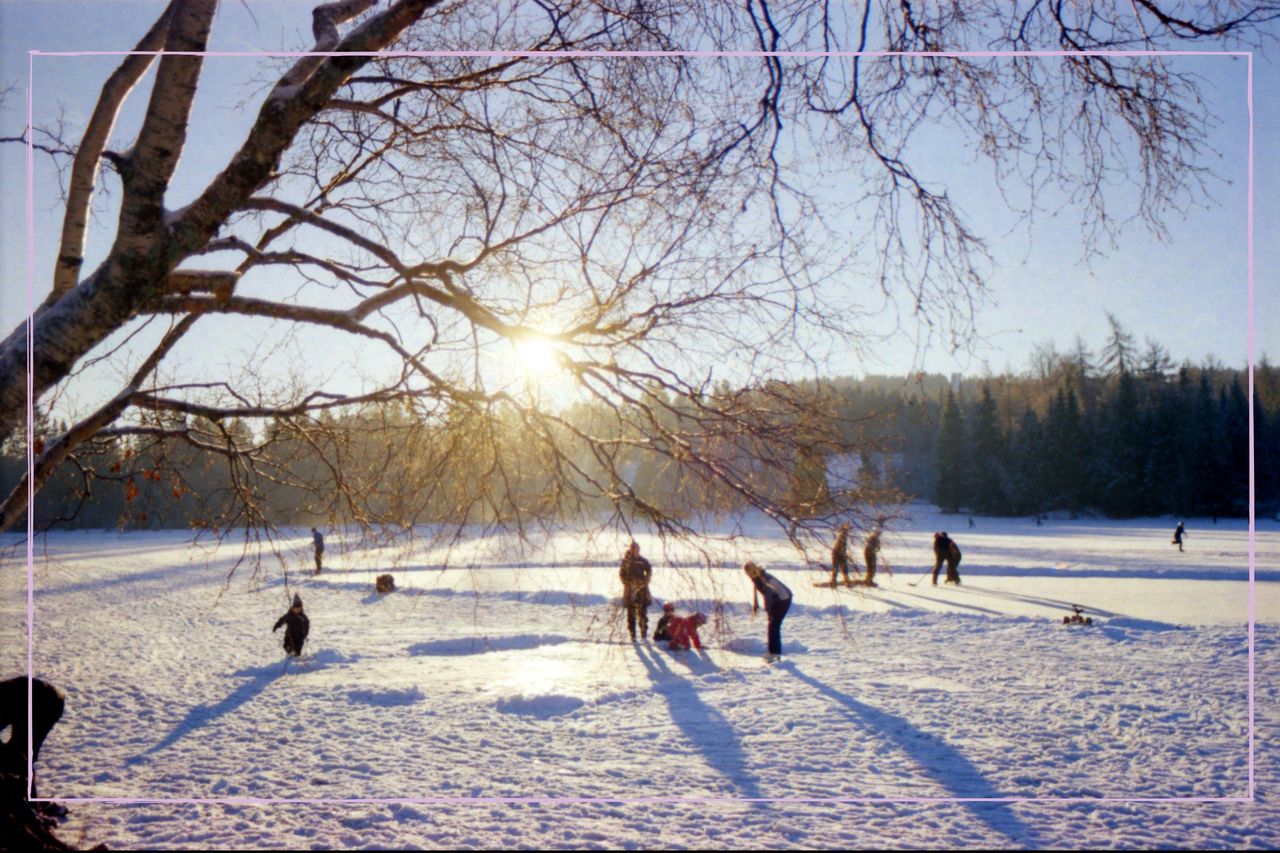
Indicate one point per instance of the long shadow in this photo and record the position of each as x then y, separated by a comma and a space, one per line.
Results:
202, 715
943, 762
953, 603
1052, 603
1141, 573
484, 645
171, 575
550, 597
703, 725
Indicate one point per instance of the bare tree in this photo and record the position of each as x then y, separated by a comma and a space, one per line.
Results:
646, 221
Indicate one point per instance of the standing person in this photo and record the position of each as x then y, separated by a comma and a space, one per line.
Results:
840, 555
634, 573
869, 551
945, 548
1178, 533
318, 539
777, 601
297, 627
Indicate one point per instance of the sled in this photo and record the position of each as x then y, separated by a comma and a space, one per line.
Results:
830, 585
1077, 617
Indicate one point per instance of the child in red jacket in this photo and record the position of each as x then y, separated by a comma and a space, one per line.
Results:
684, 631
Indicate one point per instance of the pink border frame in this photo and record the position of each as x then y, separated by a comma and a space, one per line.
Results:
633, 54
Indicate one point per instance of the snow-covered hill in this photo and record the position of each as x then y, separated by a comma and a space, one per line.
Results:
494, 702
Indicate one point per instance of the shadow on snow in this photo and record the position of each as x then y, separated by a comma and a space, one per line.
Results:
945, 764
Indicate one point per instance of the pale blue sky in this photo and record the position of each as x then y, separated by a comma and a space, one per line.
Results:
1188, 293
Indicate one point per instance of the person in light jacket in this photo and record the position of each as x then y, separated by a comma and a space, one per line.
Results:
777, 601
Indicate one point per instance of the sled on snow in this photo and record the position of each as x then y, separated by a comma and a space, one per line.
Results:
1077, 617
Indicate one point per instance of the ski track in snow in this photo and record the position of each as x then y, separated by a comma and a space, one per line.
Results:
483, 681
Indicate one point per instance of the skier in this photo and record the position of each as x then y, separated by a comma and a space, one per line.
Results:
634, 573
945, 548
297, 627
47, 703
777, 601
318, 539
663, 631
1178, 533
869, 551
840, 555
684, 631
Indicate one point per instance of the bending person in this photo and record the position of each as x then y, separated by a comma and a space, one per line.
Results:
777, 601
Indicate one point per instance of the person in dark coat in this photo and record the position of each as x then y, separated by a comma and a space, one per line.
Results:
297, 627
945, 548
869, 551
634, 573
317, 539
840, 555
1178, 533
47, 703
663, 631
777, 601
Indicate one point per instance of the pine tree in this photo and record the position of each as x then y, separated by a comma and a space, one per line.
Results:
950, 455
988, 488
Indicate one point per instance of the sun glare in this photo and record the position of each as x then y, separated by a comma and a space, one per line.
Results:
539, 360
537, 364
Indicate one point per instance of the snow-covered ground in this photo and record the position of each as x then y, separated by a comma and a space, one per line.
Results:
905, 716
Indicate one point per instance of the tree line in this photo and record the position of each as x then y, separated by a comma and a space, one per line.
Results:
1120, 433
1115, 434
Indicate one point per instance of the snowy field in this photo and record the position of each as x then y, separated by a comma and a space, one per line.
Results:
905, 716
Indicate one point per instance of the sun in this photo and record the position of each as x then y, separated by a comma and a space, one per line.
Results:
538, 359
538, 364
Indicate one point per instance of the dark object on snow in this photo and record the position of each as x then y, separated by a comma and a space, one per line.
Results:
663, 631
840, 555
1178, 533
385, 583
635, 573
777, 601
1077, 618
297, 627
945, 548
317, 539
47, 703
24, 825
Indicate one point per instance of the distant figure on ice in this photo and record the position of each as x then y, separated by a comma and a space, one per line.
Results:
297, 627
663, 631
1178, 533
971, 524
684, 631
869, 551
1039, 522
840, 555
317, 539
634, 573
777, 601
47, 703
945, 548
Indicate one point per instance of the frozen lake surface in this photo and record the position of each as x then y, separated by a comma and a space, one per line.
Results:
497, 675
